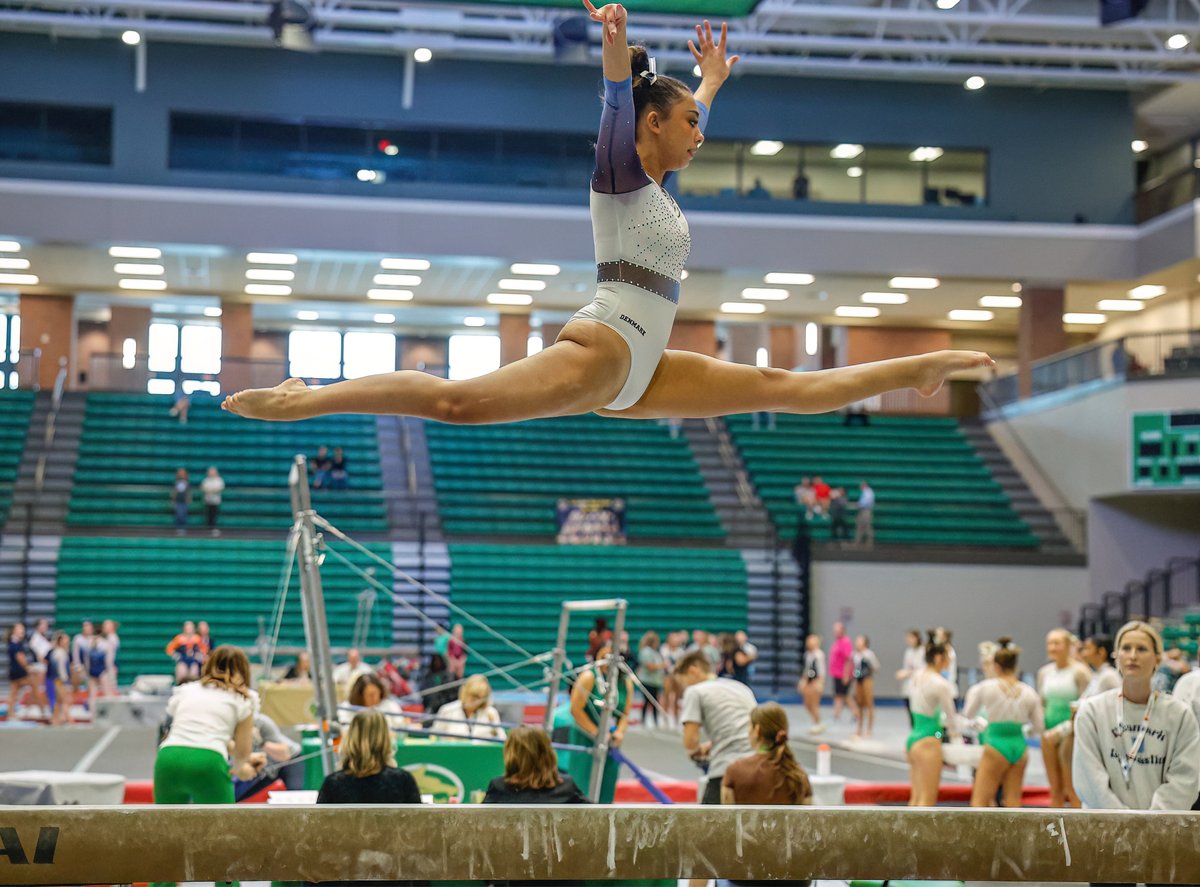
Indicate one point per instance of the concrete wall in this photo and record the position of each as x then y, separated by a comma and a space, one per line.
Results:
976, 602
1131, 534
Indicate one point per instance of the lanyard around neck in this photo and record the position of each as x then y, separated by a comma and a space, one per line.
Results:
1140, 739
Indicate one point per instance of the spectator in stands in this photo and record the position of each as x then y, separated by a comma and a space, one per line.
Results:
599, 635
278, 748
368, 773
207, 644
349, 671
441, 640
531, 773
183, 403
841, 668
839, 526
866, 666
1136, 748
800, 186
758, 192
856, 414
370, 692
456, 653
212, 487
300, 670
734, 662
436, 674
472, 715
914, 661
321, 467
339, 476
721, 709
19, 660
864, 524
185, 649
59, 662
822, 493
181, 498
81, 646
812, 680
209, 719
806, 497
651, 673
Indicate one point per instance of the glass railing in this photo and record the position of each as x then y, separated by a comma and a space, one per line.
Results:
1130, 357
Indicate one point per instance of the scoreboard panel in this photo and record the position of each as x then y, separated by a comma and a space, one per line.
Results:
1166, 449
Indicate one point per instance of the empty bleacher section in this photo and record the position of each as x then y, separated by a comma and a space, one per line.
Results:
150, 586
131, 447
932, 487
15, 409
505, 479
518, 591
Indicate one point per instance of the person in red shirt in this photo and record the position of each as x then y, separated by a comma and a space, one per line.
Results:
822, 493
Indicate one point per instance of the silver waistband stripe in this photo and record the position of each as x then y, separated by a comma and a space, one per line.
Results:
636, 275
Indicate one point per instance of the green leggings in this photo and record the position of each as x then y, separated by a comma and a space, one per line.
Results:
191, 776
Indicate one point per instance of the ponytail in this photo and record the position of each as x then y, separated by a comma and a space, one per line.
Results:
771, 721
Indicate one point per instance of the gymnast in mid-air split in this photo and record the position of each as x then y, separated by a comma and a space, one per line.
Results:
611, 357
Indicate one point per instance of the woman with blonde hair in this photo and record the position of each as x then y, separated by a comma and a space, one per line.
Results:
210, 718
1060, 682
531, 773
368, 773
1136, 748
771, 775
472, 715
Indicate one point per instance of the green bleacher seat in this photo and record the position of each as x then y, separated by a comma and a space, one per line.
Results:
931, 486
15, 409
151, 585
131, 447
499, 480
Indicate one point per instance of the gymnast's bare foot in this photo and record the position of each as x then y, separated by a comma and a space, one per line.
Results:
933, 368
283, 403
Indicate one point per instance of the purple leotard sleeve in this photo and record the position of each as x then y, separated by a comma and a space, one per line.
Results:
618, 167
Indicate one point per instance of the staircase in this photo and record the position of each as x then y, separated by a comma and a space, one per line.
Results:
777, 617
408, 480
429, 564
28, 578
1024, 501
737, 504
43, 487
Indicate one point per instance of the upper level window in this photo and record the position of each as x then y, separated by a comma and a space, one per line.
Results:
470, 356
185, 354
329, 355
55, 133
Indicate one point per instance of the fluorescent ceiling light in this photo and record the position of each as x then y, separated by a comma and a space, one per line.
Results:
999, 301
397, 279
14, 264
390, 295
789, 278
855, 311
268, 289
974, 83
885, 298
973, 314
1017, 287
270, 274
855, 172
26, 279
212, 312
1139, 145
135, 283
474, 321
534, 269
396, 264
1083, 318
423, 55
512, 283
764, 294
134, 252
138, 268
766, 148
307, 315
914, 283
1178, 41
271, 258
1120, 305
133, 38
811, 339
509, 299
371, 175
385, 318
925, 154
845, 151
1147, 291
742, 308
9, 246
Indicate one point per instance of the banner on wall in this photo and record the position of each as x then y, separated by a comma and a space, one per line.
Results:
591, 521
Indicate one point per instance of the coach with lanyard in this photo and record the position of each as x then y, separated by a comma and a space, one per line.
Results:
1136, 748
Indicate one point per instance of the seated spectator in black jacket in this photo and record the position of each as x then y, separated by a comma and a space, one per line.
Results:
369, 774
339, 475
531, 773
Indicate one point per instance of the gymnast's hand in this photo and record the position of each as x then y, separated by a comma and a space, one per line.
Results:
710, 56
613, 16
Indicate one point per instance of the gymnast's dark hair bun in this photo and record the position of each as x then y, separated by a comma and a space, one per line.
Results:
639, 63
1006, 657
1005, 642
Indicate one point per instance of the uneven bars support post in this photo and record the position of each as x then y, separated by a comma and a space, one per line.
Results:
613, 674
312, 599
560, 659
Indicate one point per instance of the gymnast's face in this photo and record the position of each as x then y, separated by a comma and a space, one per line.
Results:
678, 134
